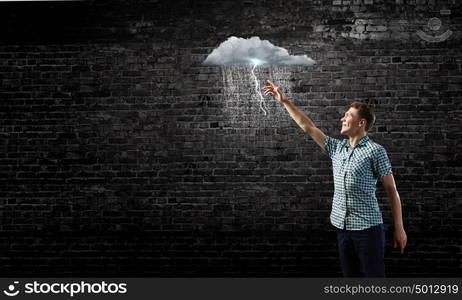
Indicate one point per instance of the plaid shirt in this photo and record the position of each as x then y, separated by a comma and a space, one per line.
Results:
356, 171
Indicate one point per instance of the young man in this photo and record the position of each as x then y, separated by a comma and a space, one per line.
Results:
357, 164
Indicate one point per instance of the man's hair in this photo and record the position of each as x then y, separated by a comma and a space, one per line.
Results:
365, 112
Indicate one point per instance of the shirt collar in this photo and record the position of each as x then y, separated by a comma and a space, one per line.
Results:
361, 142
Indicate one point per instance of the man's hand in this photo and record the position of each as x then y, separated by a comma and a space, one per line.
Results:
400, 239
274, 91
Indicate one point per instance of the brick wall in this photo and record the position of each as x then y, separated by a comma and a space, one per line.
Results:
121, 156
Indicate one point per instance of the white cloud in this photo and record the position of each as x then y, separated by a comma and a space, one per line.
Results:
239, 51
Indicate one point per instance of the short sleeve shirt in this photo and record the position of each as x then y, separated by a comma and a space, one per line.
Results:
356, 171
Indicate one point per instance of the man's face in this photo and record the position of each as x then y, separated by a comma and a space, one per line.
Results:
351, 123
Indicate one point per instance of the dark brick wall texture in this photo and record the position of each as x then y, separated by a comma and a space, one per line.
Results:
118, 159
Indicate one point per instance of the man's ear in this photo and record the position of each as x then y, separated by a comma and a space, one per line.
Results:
362, 122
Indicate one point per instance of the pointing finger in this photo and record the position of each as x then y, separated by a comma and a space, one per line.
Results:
270, 82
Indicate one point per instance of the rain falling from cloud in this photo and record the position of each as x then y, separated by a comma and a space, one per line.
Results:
239, 59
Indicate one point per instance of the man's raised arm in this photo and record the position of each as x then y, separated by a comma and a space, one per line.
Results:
305, 123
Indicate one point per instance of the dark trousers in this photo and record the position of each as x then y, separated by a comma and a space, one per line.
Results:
361, 252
